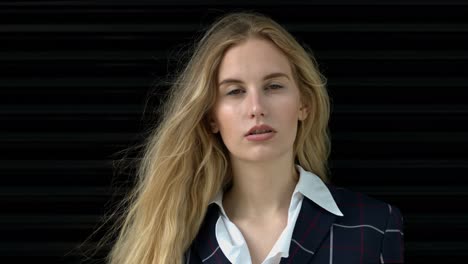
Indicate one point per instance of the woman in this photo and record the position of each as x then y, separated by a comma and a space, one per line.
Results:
236, 171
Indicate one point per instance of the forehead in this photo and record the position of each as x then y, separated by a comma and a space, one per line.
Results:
253, 59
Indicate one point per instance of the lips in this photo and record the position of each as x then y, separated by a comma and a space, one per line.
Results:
260, 129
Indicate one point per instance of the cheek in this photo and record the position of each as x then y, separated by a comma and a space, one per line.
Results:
290, 111
225, 118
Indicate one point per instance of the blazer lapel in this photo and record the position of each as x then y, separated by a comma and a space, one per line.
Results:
205, 244
312, 227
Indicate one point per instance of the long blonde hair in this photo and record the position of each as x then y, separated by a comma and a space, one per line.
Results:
184, 165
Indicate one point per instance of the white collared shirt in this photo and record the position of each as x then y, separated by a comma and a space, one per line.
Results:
232, 242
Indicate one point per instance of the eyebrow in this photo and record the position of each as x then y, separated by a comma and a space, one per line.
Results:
268, 76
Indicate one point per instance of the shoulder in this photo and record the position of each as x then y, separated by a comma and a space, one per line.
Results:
358, 207
369, 219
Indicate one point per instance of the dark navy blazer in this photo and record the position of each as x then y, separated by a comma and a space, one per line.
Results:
371, 231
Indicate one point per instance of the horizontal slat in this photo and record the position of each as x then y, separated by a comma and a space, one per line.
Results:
338, 164
422, 136
151, 56
335, 69
419, 248
116, 137
60, 82
25, 193
383, 164
62, 249
413, 190
33, 110
63, 191
118, 82
59, 109
55, 164
53, 221
180, 27
19, 165
437, 248
189, 3
59, 222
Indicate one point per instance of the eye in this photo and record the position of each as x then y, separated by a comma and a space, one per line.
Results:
235, 92
274, 86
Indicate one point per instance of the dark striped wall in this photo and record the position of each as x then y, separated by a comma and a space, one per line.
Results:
76, 76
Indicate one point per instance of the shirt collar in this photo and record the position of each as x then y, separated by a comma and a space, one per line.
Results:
309, 185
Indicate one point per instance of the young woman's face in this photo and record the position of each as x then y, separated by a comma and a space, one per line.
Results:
258, 104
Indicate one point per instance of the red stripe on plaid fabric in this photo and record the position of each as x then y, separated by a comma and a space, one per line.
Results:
213, 249
312, 224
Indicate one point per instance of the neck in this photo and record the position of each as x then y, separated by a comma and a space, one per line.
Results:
260, 189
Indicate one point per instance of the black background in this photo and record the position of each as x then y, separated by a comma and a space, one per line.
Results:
77, 85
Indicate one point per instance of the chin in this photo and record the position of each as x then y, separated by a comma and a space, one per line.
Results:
261, 156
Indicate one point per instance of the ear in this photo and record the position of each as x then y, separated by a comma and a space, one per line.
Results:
303, 112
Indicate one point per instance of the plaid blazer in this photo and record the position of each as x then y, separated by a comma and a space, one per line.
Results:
370, 231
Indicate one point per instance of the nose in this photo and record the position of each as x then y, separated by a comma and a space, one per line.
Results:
257, 104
